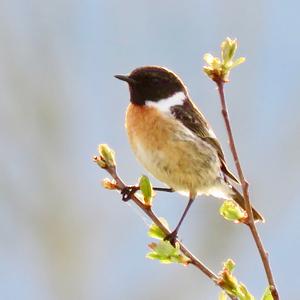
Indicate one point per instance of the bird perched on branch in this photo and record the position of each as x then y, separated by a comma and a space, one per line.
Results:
172, 139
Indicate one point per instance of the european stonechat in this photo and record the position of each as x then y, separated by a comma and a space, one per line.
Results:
172, 139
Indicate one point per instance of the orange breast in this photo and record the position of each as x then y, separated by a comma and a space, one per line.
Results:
147, 126
170, 151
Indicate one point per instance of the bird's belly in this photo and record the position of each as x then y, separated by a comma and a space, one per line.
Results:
176, 157
189, 170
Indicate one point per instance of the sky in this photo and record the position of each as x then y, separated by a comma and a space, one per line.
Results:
62, 236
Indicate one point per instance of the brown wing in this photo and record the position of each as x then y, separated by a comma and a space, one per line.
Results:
193, 119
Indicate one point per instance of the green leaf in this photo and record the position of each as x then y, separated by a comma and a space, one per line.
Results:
230, 283
107, 155
155, 232
231, 211
165, 249
237, 62
146, 189
267, 295
229, 264
208, 58
162, 259
166, 253
216, 63
228, 48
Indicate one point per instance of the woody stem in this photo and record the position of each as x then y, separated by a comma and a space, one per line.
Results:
245, 188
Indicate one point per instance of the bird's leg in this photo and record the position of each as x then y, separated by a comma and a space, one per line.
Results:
173, 235
158, 189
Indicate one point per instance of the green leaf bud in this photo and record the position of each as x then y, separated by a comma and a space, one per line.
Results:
146, 189
231, 211
155, 232
107, 155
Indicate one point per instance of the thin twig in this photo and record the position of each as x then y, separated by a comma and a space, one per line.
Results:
245, 187
120, 185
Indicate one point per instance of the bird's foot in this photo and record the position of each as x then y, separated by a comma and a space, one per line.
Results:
128, 191
171, 237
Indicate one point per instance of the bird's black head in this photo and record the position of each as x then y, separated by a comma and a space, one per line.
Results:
152, 83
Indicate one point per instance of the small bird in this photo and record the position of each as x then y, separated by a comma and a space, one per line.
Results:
173, 141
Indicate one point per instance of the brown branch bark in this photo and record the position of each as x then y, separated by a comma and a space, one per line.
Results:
245, 187
120, 185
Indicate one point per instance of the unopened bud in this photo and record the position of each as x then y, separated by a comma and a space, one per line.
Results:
109, 184
100, 162
107, 155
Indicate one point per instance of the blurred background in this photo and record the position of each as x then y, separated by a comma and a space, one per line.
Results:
62, 236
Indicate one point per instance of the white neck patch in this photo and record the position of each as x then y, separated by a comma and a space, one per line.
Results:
164, 105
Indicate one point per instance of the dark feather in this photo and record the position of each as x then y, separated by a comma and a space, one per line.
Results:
193, 119
238, 198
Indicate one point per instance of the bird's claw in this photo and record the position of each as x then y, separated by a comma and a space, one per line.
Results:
128, 191
171, 237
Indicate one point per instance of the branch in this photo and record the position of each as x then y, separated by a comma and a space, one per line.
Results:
218, 70
245, 187
120, 185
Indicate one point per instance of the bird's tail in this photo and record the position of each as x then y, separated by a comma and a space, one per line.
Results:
239, 199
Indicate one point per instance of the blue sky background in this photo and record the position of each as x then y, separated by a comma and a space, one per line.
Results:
62, 236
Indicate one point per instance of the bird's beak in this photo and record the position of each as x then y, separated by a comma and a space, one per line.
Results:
126, 78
